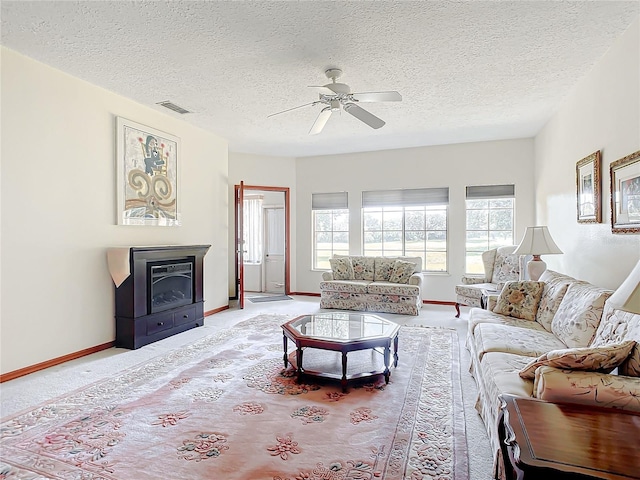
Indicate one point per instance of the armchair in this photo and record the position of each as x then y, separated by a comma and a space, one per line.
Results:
500, 266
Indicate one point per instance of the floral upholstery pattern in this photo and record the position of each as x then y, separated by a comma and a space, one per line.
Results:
593, 359
363, 268
615, 327
531, 342
520, 299
375, 296
589, 388
342, 268
383, 268
579, 314
555, 286
402, 271
506, 267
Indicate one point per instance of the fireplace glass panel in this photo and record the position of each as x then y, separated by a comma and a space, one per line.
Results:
171, 286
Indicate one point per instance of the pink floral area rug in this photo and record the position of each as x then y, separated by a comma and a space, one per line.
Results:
225, 408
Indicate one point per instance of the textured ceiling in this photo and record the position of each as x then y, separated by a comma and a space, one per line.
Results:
467, 71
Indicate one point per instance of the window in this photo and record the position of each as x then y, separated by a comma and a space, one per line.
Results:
490, 222
330, 227
409, 223
253, 229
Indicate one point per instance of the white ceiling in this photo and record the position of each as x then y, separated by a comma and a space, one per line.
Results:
467, 71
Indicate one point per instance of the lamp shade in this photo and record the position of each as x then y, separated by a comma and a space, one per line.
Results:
537, 241
627, 296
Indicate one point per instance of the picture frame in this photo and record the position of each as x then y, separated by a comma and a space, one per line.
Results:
147, 175
589, 189
625, 194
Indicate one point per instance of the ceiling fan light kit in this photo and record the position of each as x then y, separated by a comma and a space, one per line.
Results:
336, 96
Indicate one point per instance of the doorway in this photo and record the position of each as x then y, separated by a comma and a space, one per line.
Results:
263, 269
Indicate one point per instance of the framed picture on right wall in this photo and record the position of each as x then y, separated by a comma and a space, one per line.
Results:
625, 194
588, 189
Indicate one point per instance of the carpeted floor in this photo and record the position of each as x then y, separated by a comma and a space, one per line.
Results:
27, 392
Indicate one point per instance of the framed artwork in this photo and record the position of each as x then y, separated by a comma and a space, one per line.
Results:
588, 191
625, 194
147, 175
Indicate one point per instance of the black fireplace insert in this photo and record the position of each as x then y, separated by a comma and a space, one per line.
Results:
170, 284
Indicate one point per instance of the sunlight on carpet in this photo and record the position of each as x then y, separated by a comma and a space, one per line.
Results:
225, 407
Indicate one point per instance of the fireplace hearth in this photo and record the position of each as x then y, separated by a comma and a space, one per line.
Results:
162, 293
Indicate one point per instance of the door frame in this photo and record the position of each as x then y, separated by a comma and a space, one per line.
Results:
239, 198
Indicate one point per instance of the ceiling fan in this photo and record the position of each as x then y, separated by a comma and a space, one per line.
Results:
337, 96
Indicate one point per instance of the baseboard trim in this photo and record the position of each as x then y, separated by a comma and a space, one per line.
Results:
216, 310
305, 294
5, 377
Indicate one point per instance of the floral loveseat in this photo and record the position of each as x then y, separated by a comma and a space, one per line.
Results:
374, 284
556, 340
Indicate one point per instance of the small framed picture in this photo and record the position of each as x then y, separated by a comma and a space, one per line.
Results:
147, 175
625, 194
588, 192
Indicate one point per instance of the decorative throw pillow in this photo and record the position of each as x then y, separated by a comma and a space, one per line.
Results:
363, 268
402, 271
383, 268
520, 299
342, 268
593, 359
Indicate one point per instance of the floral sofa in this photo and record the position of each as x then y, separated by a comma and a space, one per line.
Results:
374, 284
558, 340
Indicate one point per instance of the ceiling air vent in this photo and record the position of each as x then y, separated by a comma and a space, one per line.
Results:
174, 107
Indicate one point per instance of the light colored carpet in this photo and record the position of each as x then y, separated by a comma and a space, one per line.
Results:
29, 391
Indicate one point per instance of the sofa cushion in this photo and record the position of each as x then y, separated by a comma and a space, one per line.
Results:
342, 268
402, 271
594, 359
531, 340
555, 286
616, 326
520, 299
506, 267
479, 315
579, 314
363, 267
383, 268
589, 388
388, 288
348, 286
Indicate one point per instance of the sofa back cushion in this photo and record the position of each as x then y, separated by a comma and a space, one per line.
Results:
617, 326
506, 267
519, 299
342, 268
363, 267
579, 314
555, 286
384, 266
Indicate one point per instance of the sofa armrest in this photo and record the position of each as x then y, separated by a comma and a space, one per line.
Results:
587, 388
416, 279
466, 280
327, 276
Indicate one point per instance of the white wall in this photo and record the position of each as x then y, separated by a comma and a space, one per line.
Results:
59, 209
602, 113
453, 166
261, 171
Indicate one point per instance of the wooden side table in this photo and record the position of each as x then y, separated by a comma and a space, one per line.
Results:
541, 440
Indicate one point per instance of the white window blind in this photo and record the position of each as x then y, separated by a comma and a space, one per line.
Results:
405, 198
329, 201
491, 191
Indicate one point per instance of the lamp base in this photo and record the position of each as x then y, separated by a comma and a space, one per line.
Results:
536, 268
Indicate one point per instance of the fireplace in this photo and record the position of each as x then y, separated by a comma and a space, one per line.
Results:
161, 295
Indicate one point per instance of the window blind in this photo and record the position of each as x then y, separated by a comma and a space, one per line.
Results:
329, 201
406, 198
491, 191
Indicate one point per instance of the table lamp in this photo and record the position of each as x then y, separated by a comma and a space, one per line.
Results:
537, 241
627, 296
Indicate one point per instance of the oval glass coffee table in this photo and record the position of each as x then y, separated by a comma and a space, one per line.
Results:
324, 335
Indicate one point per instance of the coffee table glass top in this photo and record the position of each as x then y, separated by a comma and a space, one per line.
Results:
342, 326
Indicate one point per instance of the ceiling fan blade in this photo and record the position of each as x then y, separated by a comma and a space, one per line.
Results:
377, 97
289, 109
361, 114
321, 121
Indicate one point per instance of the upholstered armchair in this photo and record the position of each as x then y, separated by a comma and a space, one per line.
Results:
500, 266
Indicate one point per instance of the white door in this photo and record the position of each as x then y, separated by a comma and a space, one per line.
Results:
274, 245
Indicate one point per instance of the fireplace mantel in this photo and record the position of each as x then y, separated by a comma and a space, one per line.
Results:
131, 268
